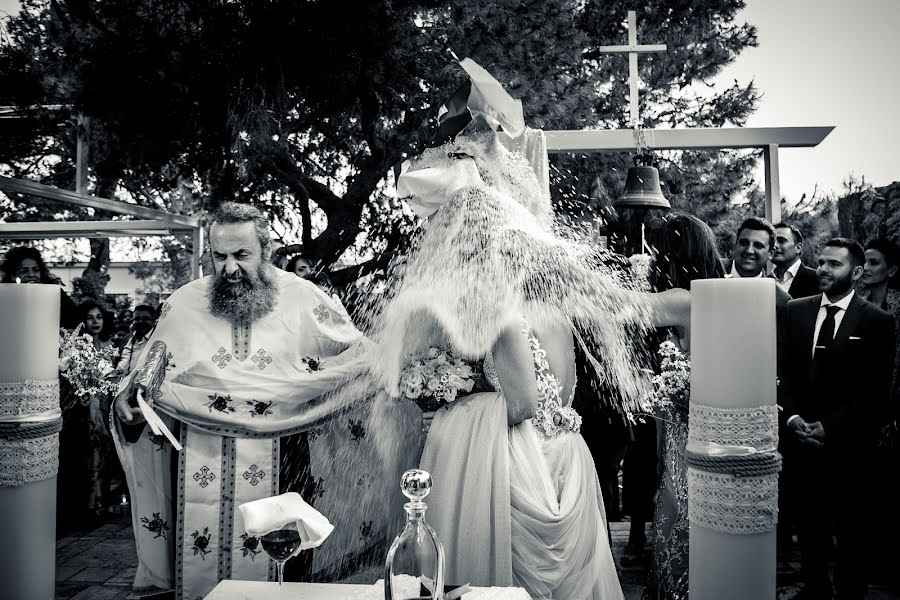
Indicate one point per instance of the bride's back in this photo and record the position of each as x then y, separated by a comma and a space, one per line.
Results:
555, 338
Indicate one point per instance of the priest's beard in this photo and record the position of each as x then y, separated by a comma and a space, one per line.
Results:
244, 297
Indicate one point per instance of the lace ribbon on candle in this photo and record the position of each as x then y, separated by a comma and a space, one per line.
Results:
733, 474
756, 427
29, 397
27, 461
734, 505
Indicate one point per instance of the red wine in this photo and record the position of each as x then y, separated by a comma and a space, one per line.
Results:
281, 544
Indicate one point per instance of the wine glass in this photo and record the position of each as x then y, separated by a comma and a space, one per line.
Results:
281, 545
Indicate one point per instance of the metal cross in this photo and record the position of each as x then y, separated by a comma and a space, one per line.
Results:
632, 49
204, 476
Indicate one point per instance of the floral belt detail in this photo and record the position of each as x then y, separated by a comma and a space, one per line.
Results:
553, 419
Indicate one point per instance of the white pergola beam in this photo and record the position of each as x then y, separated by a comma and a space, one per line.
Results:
89, 229
710, 138
773, 184
32, 188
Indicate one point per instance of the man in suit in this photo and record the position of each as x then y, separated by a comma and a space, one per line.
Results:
836, 357
792, 275
142, 325
754, 247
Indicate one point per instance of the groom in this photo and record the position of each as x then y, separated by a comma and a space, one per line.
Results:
838, 355
246, 350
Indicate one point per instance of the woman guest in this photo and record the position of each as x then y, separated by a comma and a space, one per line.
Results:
882, 264
686, 251
24, 264
880, 270
300, 265
85, 444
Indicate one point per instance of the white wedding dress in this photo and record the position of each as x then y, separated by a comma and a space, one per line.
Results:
521, 505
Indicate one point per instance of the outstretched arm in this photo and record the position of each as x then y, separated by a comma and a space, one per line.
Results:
671, 308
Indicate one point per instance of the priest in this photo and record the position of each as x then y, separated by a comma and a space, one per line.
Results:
240, 359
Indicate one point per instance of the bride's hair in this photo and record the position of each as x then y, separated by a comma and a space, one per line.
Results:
686, 250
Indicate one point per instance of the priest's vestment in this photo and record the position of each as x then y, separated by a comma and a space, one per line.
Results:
230, 391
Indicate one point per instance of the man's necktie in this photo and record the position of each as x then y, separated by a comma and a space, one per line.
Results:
826, 332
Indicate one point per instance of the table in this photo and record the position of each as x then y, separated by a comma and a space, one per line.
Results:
265, 590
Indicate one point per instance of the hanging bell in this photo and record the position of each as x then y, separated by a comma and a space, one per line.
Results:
642, 188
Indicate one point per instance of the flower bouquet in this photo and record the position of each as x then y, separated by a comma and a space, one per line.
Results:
88, 369
672, 387
435, 378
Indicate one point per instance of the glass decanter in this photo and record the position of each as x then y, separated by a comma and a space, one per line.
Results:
415, 561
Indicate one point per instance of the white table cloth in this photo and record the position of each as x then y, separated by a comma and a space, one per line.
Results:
263, 590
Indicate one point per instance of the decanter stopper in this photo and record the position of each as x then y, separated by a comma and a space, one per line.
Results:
416, 485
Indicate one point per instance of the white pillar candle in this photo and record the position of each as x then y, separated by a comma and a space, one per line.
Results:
733, 346
29, 350
29, 332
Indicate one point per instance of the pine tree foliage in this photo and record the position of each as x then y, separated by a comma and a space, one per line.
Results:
304, 108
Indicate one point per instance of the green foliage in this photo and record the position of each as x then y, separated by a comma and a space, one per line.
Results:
817, 220
303, 108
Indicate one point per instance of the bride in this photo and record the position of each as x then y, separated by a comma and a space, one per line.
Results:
516, 497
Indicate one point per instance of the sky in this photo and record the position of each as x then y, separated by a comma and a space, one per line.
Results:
820, 62
827, 62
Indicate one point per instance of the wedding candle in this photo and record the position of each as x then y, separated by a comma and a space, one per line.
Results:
29, 396
733, 361
29, 330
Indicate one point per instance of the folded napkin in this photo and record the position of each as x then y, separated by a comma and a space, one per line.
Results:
268, 514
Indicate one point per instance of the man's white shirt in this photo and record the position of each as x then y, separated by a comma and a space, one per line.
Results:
843, 304
788, 275
734, 272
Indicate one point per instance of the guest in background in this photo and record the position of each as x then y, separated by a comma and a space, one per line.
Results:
791, 274
97, 324
300, 265
605, 428
882, 264
25, 265
125, 317
141, 327
836, 365
81, 445
120, 335
639, 480
686, 251
754, 247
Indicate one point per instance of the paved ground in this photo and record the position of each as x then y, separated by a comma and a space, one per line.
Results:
99, 565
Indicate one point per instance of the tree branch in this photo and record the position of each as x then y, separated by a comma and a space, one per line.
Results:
291, 176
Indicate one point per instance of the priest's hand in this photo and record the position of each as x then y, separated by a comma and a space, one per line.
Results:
126, 409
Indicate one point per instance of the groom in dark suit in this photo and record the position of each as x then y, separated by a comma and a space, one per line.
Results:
837, 353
